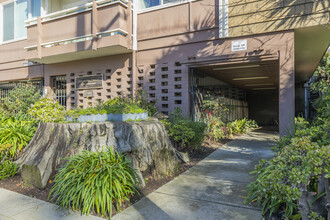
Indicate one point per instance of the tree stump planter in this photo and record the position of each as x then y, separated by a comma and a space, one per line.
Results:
146, 143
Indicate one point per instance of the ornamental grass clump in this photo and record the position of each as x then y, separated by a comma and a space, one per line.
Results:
94, 181
14, 136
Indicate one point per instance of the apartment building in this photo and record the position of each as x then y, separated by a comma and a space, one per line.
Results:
256, 53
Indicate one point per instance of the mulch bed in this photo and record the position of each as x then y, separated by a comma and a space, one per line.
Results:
16, 183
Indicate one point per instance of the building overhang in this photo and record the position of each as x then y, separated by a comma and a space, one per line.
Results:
310, 45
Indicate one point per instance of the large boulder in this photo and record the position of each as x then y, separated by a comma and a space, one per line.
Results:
146, 143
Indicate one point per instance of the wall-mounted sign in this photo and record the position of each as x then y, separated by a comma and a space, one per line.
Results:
89, 82
238, 45
88, 93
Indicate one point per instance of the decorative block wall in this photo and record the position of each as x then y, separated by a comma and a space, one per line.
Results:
116, 82
166, 85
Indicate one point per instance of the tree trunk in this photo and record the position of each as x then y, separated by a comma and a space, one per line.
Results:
146, 143
327, 193
303, 204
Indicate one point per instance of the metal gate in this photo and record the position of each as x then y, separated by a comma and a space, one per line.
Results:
59, 89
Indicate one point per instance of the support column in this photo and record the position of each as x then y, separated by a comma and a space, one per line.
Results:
286, 90
48, 93
135, 48
39, 37
95, 29
134, 73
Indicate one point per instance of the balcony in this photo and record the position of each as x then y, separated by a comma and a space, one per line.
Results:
95, 29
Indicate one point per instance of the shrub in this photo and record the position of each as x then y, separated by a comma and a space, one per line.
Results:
14, 135
94, 181
46, 110
241, 126
112, 106
20, 98
185, 131
7, 169
218, 130
141, 99
214, 106
282, 184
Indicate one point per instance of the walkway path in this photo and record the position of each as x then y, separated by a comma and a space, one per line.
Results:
213, 189
15, 206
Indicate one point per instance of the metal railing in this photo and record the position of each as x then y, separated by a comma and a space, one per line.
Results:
74, 10
69, 12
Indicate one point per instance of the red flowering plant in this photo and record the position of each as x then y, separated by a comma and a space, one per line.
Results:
214, 113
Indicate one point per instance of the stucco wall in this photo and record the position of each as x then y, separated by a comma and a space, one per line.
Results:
258, 16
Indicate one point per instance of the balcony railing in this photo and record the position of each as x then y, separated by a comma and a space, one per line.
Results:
92, 26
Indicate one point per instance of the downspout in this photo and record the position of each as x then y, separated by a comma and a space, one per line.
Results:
134, 47
306, 100
192, 94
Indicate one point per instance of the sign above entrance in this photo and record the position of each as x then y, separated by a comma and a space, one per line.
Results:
238, 45
89, 82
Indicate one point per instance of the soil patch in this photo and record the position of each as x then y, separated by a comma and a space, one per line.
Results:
16, 183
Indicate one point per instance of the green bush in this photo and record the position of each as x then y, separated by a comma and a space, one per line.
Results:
15, 134
112, 106
20, 98
299, 162
241, 126
141, 99
94, 181
46, 110
218, 130
185, 131
281, 181
7, 169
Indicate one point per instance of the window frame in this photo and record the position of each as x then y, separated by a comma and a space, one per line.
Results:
163, 5
29, 2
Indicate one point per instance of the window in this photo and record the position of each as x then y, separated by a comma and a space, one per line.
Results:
151, 3
8, 23
35, 6
223, 18
13, 16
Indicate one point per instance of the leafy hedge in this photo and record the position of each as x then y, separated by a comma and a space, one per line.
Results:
300, 167
94, 181
185, 131
282, 182
46, 110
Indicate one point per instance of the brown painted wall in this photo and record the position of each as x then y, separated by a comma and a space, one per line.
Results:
198, 20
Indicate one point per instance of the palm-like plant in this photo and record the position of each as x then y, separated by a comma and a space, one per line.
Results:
94, 181
14, 135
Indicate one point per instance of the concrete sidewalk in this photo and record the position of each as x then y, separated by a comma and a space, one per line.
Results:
213, 189
15, 206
